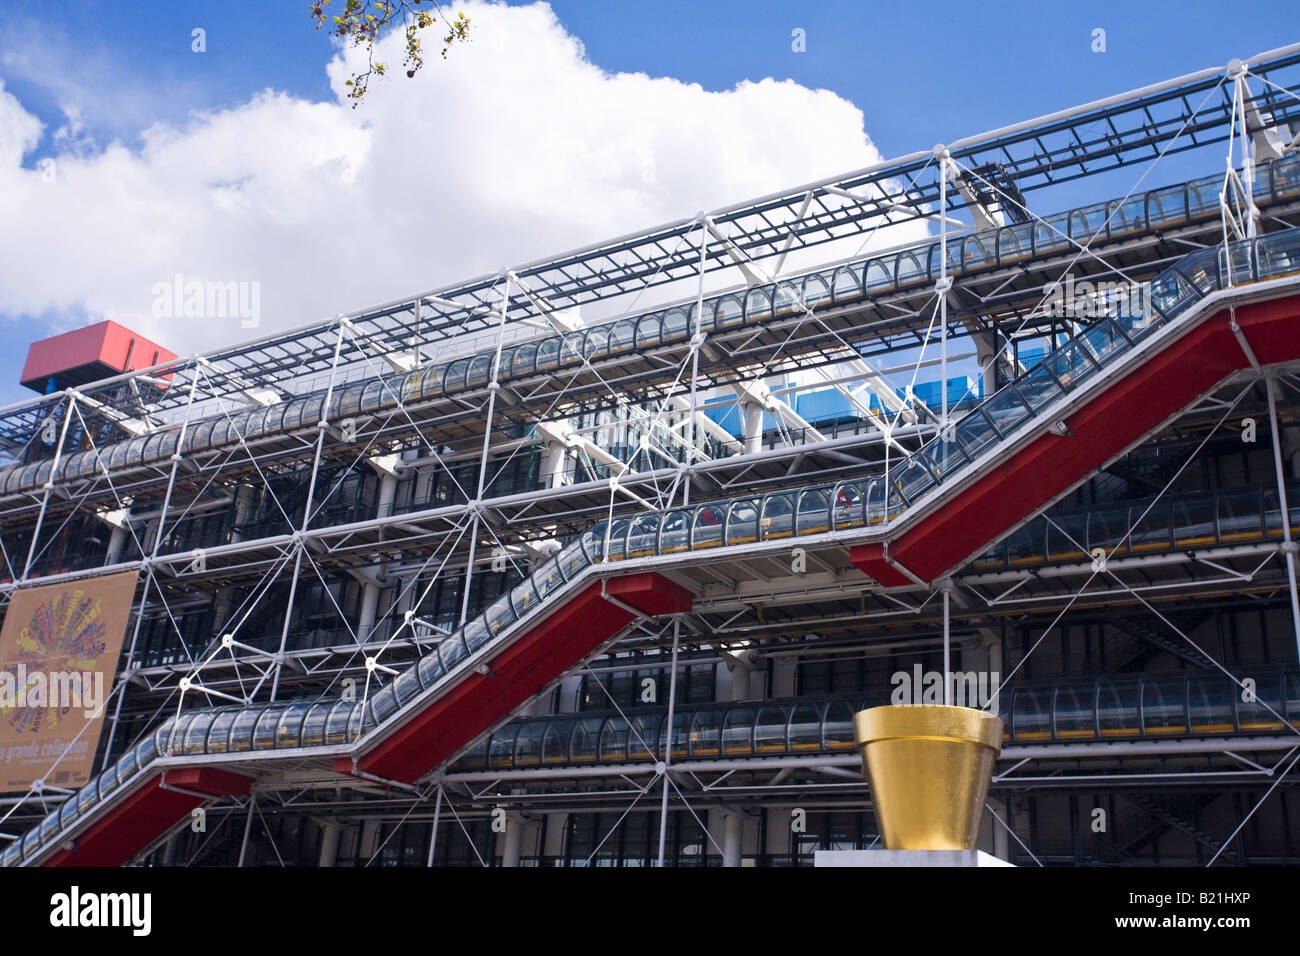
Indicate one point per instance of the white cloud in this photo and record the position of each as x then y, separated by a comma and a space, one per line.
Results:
514, 147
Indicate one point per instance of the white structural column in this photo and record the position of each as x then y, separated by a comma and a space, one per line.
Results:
244, 496
329, 843
733, 832
555, 463
386, 467
119, 520
514, 840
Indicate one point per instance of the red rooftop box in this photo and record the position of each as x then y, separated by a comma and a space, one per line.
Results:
87, 355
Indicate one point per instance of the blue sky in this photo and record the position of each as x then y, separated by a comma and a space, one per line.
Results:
920, 73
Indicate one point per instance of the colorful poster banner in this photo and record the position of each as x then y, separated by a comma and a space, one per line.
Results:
59, 648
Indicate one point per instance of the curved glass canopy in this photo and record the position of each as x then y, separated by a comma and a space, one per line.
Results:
1131, 706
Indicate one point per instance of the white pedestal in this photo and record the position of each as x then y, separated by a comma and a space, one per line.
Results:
906, 858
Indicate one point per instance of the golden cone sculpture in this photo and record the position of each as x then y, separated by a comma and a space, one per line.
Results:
930, 768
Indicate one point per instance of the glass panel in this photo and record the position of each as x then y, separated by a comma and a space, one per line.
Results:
805, 727
1073, 713
679, 735
909, 268
707, 527
785, 299
1127, 216
1117, 709
502, 748
547, 578
1051, 234
850, 504
1006, 409
241, 732
613, 740
728, 312
596, 345
738, 731
479, 370
943, 455
1026, 544
912, 478
1087, 223
622, 336
1150, 532
758, 305
816, 291
1203, 196
1067, 537
648, 331
837, 727
1254, 715
673, 534
813, 513
1162, 706
475, 634
456, 375
477, 756
452, 651
1166, 206
524, 360
1106, 527
618, 539
1015, 242
313, 726
1286, 177
571, 348
499, 615
1279, 254
407, 684
642, 535
1201, 269
778, 510
196, 735
582, 743
1070, 364
876, 502
289, 731
527, 745
1210, 703
978, 250
706, 728
523, 597
974, 432
1194, 522
642, 733
1239, 516
1030, 717
430, 668
1103, 340
742, 522
264, 731
879, 274
676, 325
1038, 388
847, 284
548, 354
